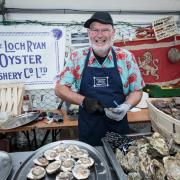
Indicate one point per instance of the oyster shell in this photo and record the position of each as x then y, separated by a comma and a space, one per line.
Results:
67, 164
157, 170
63, 156
50, 154
176, 138
72, 148
85, 162
134, 176
37, 172
64, 176
133, 160
53, 167
79, 153
80, 172
159, 146
60, 148
172, 167
41, 161
144, 166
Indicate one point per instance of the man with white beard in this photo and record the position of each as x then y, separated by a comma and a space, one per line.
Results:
103, 80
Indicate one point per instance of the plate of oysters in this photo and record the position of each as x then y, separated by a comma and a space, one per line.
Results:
64, 160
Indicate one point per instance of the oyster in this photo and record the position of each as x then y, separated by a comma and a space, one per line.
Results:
79, 153
37, 172
172, 167
41, 161
134, 176
123, 160
64, 176
85, 162
177, 156
176, 138
159, 146
67, 164
133, 160
60, 148
53, 167
80, 172
72, 148
157, 170
62, 156
50, 154
144, 166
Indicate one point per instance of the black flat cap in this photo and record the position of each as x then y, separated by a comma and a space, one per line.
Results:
102, 17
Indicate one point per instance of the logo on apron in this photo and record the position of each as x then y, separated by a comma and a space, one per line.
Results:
101, 81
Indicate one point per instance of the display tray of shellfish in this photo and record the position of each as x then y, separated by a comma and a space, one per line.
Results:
68, 159
143, 156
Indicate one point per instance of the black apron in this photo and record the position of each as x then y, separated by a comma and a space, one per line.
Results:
105, 85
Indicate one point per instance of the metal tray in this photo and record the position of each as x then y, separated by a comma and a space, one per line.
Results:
115, 164
20, 120
100, 171
5, 165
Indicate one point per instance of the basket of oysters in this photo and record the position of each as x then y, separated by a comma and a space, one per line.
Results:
64, 160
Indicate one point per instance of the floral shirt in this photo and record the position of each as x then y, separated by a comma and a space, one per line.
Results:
127, 68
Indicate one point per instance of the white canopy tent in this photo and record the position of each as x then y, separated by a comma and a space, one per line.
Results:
133, 11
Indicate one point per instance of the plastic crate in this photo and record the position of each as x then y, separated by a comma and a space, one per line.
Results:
156, 91
162, 122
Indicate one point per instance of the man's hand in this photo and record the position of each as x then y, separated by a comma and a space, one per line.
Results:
92, 106
117, 113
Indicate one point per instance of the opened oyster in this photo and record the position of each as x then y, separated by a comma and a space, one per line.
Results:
80, 172
64, 176
62, 156
80, 153
85, 162
36, 172
72, 148
67, 164
50, 154
41, 161
53, 167
60, 148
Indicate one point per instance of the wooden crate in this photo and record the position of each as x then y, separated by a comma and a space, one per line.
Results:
11, 98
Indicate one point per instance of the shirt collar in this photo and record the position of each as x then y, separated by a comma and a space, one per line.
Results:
92, 57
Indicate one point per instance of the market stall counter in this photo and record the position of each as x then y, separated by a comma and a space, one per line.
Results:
67, 123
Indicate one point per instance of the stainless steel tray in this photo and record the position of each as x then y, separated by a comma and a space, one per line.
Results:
116, 166
109, 152
100, 171
20, 120
5, 165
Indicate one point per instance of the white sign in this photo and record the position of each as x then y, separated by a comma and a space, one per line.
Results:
31, 54
165, 27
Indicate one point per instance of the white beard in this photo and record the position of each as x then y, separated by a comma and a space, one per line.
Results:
101, 49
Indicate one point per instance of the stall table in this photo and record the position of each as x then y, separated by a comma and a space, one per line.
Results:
68, 123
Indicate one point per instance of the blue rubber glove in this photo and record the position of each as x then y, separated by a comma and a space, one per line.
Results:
119, 112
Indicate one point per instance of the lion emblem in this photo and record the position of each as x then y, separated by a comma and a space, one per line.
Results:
149, 65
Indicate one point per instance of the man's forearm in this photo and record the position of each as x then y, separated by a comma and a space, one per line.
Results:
66, 94
134, 97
